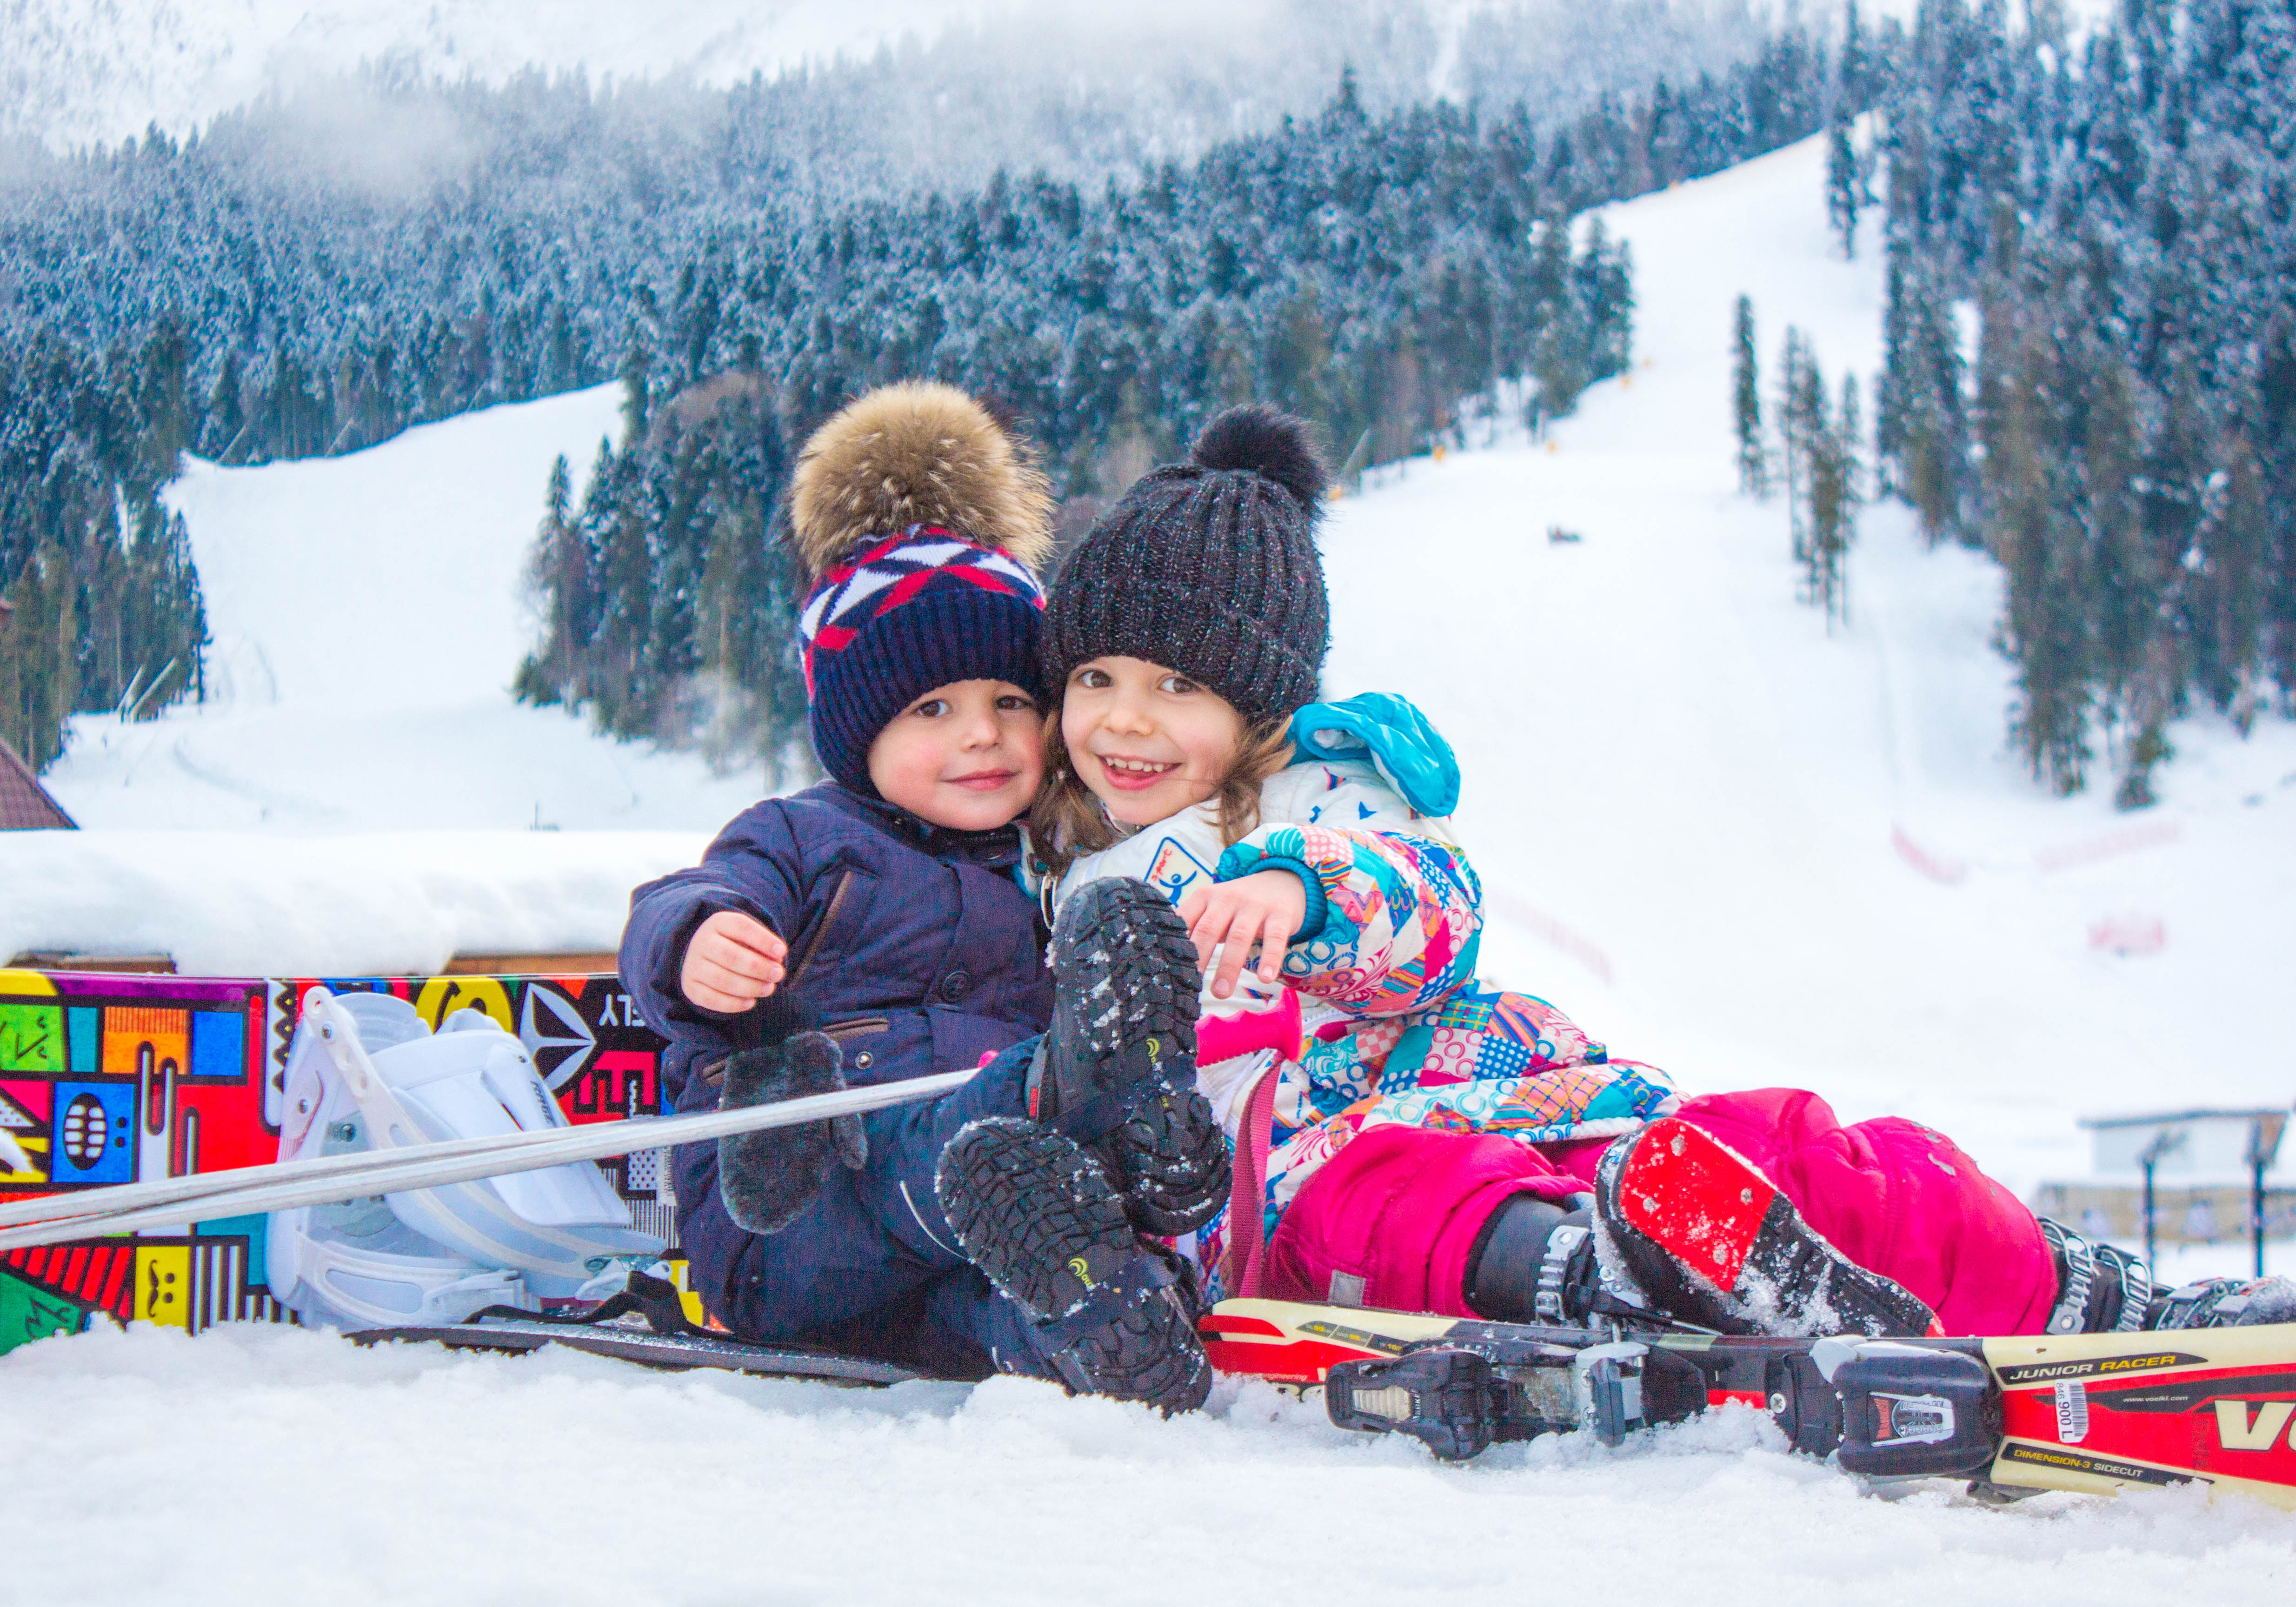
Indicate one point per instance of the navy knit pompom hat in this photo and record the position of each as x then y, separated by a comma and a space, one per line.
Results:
1209, 567
920, 522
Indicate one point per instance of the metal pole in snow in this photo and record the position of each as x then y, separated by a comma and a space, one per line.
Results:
2151, 1256
2256, 1212
2263, 1136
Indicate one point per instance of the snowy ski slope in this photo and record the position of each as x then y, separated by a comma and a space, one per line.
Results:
1766, 855
1730, 843
360, 794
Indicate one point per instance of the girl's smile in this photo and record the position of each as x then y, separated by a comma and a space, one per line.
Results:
1134, 774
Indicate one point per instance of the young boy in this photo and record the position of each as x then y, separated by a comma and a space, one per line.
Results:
870, 929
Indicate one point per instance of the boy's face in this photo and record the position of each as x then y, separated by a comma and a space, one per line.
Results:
968, 755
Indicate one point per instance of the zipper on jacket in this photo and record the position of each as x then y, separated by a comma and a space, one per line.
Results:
829, 919
713, 1073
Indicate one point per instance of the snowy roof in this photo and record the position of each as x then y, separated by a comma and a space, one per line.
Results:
25, 804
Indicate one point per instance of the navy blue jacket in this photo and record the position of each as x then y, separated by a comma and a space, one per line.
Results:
921, 955
912, 940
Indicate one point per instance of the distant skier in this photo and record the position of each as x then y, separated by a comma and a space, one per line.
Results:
871, 927
1435, 1143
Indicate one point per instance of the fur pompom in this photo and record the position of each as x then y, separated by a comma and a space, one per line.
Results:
916, 453
1270, 442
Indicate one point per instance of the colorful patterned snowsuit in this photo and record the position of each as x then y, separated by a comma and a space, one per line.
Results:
1427, 1098
1407, 1036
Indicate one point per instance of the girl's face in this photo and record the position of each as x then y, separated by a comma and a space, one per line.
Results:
1146, 740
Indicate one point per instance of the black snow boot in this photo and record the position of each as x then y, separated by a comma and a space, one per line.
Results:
2100, 1288
767, 1178
1172, 1161
1535, 1261
1710, 1240
1117, 1070
1039, 1217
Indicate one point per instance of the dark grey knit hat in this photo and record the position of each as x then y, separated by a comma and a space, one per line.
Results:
1210, 567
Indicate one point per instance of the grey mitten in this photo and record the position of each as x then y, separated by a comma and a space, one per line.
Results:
767, 1178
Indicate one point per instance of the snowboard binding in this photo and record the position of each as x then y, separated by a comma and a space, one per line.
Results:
1887, 1409
366, 1072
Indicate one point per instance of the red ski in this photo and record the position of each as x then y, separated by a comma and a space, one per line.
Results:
2092, 1413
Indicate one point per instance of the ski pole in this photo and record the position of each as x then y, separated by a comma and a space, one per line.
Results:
339, 1036
285, 1185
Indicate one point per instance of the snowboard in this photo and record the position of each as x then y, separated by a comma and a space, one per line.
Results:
668, 1352
110, 1078
2090, 1413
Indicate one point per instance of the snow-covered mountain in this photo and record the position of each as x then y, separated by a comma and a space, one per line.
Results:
77, 71
1729, 842
1740, 846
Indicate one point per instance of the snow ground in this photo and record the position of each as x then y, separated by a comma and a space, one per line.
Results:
1681, 794
284, 1465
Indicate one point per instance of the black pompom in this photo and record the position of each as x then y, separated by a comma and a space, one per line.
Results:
1267, 441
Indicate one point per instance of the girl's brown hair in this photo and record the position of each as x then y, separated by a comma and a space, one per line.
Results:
1068, 821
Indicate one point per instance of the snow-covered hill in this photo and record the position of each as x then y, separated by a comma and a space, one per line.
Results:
1741, 845
360, 793
1732, 843
1728, 810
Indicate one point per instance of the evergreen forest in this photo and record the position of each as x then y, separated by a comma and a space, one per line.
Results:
2113, 217
269, 290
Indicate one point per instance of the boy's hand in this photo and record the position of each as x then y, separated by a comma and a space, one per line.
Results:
731, 963
1265, 909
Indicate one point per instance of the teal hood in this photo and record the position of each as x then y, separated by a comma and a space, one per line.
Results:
1390, 732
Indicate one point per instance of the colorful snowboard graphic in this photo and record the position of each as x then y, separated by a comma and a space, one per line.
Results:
115, 1079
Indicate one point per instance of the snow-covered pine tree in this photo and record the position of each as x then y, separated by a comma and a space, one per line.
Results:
1845, 185
1793, 427
580, 233
2115, 198
1746, 403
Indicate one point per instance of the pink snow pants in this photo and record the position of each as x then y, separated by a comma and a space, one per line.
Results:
1401, 1207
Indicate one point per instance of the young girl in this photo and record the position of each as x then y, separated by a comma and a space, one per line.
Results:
1436, 1143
